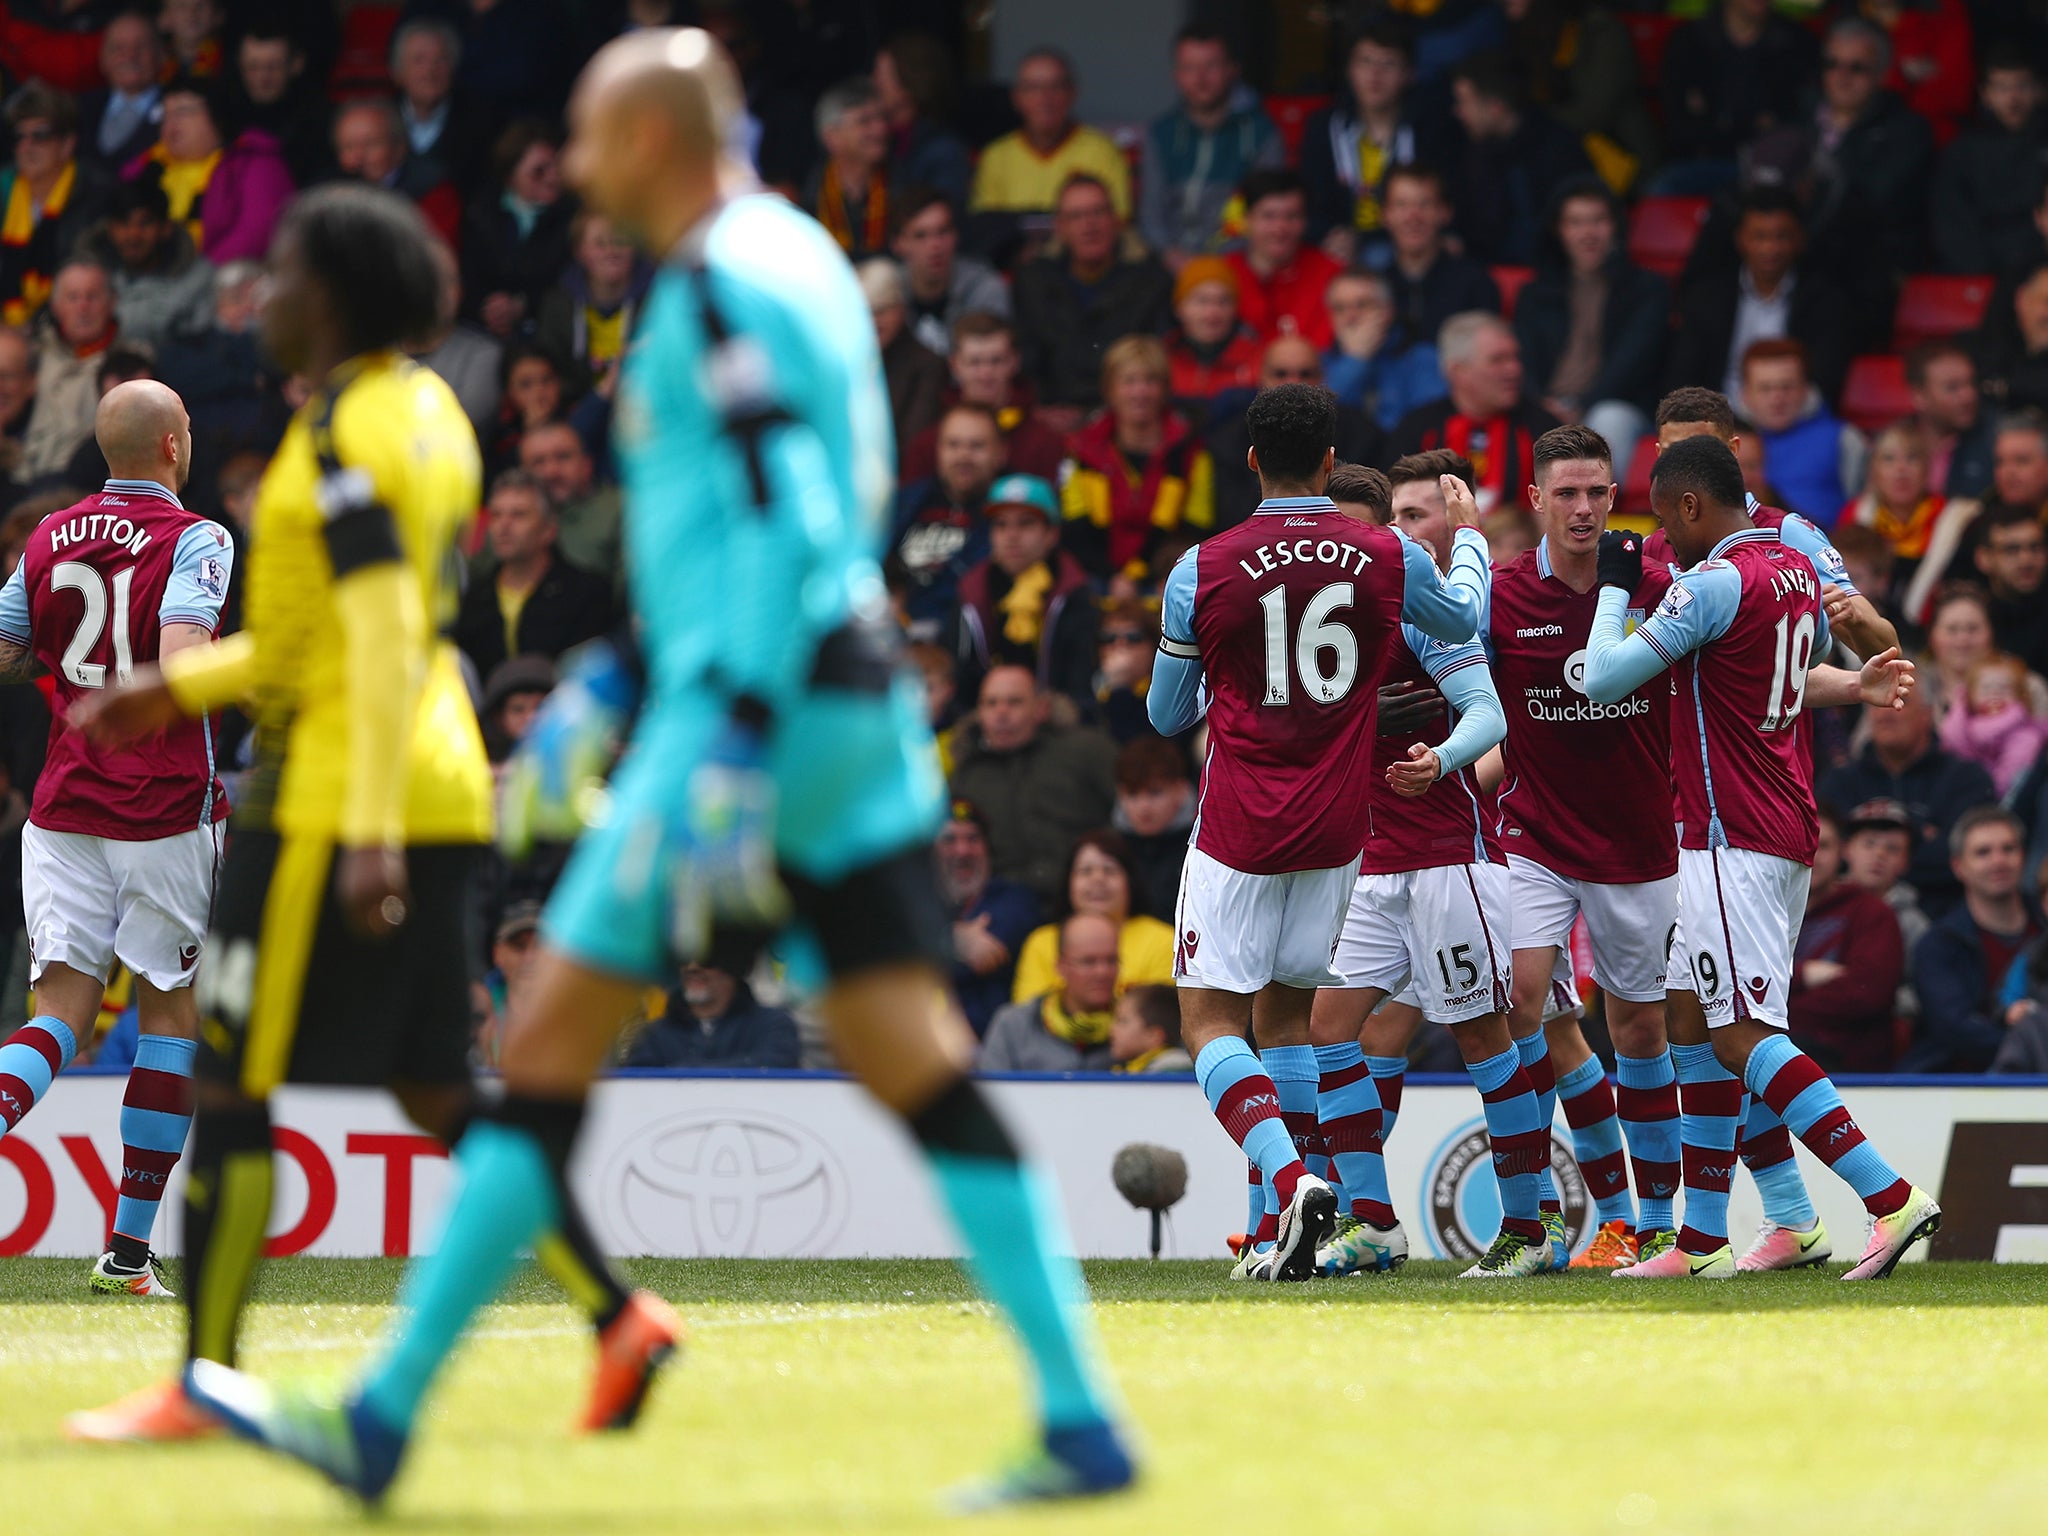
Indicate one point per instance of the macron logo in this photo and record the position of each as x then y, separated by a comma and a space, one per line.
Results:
1540, 632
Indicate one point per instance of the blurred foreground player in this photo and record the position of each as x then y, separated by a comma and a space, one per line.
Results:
754, 437
119, 854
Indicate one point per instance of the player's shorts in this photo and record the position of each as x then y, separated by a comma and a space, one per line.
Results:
1235, 932
1443, 931
1630, 925
1563, 996
1738, 918
858, 800
290, 993
89, 901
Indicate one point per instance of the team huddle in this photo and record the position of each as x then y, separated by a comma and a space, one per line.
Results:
1527, 731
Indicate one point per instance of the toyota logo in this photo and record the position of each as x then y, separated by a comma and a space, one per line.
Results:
725, 1185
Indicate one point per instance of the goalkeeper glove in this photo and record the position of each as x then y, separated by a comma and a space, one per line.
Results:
723, 847
1621, 560
556, 777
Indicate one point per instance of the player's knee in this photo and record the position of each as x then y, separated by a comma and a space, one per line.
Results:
961, 1122
1731, 1048
1637, 1029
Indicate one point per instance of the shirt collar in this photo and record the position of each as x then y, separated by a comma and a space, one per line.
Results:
1743, 536
1543, 556
1295, 504
1748, 288
142, 488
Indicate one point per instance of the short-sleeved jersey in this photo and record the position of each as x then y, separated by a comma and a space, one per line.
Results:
1740, 630
1797, 532
96, 584
1452, 823
1586, 785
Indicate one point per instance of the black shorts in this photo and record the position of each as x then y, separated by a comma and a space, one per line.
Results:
886, 913
289, 993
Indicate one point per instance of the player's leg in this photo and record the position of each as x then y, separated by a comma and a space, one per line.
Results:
1367, 1238
1587, 1098
1792, 1235
1543, 909
1385, 1039
67, 1002
67, 900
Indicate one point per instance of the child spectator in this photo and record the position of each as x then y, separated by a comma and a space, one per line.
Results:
1144, 1036
1990, 724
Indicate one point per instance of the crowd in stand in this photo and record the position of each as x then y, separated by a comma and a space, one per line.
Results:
1470, 221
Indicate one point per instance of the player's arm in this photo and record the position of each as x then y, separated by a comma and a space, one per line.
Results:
1452, 606
17, 630
1698, 608
1467, 683
1174, 702
201, 567
1853, 617
1886, 680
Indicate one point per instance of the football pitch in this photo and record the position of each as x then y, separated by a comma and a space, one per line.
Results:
848, 1395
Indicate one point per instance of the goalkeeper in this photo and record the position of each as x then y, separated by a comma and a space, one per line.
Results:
781, 770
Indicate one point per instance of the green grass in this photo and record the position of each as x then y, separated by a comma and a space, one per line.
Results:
846, 1395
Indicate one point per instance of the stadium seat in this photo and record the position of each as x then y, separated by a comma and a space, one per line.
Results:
1662, 230
1634, 500
1650, 34
1876, 394
1290, 115
365, 50
1933, 307
1511, 281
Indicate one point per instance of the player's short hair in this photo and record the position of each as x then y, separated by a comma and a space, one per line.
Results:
1292, 427
36, 102
915, 202
847, 96
1276, 181
1149, 760
1696, 403
1158, 1006
371, 251
1562, 444
980, 323
1705, 466
1982, 816
1778, 349
1430, 466
1924, 356
1363, 486
516, 479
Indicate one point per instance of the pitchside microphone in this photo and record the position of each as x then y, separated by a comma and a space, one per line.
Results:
1152, 1179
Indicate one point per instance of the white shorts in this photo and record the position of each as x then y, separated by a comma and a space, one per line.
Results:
1738, 918
1563, 996
1236, 932
1444, 931
1630, 925
90, 901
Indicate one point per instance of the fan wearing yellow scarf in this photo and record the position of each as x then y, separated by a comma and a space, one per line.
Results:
1067, 1028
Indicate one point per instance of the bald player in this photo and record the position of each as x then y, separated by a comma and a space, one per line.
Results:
753, 436
119, 854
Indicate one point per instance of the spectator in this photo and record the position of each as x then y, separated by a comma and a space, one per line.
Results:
1510, 157
468, 358
990, 917
1281, 279
1988, 721
945, 287
985, 369
1039, 785
589, 517
1155, 810
775, 135
1100, 883
1872, 152
2019, 480
1577, 62
529, 394
1811, 454
586, 319
1066, 1027
2012, 348
1959, 636
1767, 295
714, 1020
1197, 154
1988, 181
1870, 560
1943, 379
441, 124
1592, 328
1931, 48
121, 120
1350, 151
1210, 351
79, 327
192, 31
1137, 476
1289, 360
1876, 853
1071, 306
269, 93
50, 198
536, 603
1727, 79
228, 192
916, 379
163, 287
941, 525
513, 695
1144, 1036
17, 412
849, 189
1025, 172
1370, 366
227, 381
1903, 763
1960, 968
1430, 283
1126, 641
517, 55
513, 946
1486, 418
1897, 503
914, 75
1028, 604
515, 233
369, 146
1846, 966
2013, 557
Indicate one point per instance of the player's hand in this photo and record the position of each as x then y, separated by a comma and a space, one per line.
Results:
114, 717
1887, 680
1836, 602
1414, 776
1621, 560
371, 886
724, 842
1462, 510
1406, 707
555, 780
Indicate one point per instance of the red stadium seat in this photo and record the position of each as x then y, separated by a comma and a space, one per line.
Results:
365, 49
1934, 307
1650, 34
1662, 230
1290, 115
1876, 394
1511, 281
1635, 490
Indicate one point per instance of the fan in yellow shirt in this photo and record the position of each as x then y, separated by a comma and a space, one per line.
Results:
1022, 172
1099, 884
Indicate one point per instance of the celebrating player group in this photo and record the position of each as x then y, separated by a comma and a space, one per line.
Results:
1421, 774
